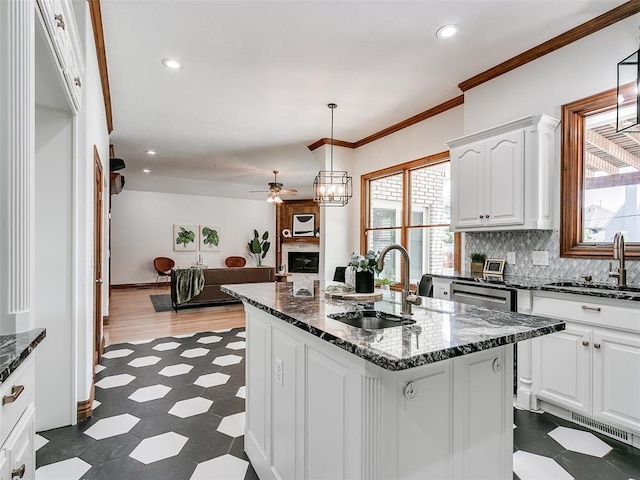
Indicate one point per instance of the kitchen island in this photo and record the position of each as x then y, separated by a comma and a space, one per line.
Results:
429, 398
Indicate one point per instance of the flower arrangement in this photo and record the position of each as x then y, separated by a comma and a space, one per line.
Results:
367, 262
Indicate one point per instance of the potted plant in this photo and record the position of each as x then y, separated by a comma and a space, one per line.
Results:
477, 261
366, 266
258, 247
385, 283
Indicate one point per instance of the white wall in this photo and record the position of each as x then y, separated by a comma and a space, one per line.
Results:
92, 132
578, 70
142, 229
53, 299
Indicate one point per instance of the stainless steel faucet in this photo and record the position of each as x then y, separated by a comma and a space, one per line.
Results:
618, 254
408, 297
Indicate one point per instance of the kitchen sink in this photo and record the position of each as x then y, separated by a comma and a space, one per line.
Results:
371, 319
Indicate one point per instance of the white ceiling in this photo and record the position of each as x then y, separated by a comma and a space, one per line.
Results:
257, 75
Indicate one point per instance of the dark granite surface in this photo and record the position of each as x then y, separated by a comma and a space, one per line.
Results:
441, 330
15, 347
547, 284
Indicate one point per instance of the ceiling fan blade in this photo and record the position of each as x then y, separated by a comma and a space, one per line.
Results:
259, 191
289, 191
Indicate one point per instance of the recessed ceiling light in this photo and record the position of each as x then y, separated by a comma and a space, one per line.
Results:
447, 31
146, 170
151, 152
170, 63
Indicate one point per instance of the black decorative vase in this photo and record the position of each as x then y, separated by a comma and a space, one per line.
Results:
364, 282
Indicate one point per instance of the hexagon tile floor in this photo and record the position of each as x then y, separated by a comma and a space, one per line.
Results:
173, 409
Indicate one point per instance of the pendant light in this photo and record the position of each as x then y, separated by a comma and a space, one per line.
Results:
332, 188
628, 95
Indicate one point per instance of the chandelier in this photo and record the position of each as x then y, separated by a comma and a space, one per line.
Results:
332, 188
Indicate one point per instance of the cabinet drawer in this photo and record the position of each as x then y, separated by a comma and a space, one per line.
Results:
22, 381
586, 310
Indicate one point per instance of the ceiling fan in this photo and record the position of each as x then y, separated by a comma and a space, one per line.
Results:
275, 190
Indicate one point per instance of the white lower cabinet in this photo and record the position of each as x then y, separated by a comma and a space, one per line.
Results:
590, 368
315, 411
17, 424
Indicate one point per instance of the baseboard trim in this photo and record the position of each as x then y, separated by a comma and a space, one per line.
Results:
85, 407
135, 286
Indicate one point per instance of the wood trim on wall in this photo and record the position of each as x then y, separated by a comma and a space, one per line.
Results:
128, 286
98, 36
432, 112
592, 26
572, 178
85, 407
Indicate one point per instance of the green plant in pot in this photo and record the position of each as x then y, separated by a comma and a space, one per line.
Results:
477, 261
385, 283
258, 247
366, 266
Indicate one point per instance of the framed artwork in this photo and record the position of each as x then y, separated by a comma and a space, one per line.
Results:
184, 238
209, 238
304, 224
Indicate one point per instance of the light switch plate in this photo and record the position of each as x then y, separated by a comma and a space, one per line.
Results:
511, 258
541, 257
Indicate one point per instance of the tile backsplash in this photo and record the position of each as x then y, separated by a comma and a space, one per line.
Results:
523, 243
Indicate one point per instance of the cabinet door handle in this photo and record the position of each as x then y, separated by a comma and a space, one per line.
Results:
59, 20
486, 216
18, 472
481, 216
585, 343
445, 293
593, 309
77, 81
596, 345
16, 391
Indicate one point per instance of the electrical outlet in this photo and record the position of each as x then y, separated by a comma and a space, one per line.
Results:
541, 257
279, 371
511, 258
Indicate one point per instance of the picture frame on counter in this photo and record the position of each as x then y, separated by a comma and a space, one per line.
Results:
493, 267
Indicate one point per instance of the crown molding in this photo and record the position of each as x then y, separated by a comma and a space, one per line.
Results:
592, 26
98, 36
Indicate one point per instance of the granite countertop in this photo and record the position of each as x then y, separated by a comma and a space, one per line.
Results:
547, 284
16, 347
442, 329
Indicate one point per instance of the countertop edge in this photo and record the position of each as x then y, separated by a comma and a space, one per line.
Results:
20, 346
573, 289
392, 364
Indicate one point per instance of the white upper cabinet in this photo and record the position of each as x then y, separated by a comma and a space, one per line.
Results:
501, 178
60, 24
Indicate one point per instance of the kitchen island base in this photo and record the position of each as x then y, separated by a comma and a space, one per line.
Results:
316, 411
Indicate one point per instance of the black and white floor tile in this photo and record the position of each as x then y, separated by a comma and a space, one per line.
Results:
173, 409
169, 408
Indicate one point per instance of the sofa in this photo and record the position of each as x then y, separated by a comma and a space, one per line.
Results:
214, 277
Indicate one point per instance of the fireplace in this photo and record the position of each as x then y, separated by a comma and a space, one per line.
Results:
303, 262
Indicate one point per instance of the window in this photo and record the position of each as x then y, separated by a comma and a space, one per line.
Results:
410, 204
600, 192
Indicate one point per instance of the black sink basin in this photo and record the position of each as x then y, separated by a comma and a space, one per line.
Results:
371, 319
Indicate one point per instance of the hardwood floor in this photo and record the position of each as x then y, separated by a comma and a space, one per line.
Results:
132, 317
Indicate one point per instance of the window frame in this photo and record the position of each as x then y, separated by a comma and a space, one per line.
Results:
405, 170
572, 179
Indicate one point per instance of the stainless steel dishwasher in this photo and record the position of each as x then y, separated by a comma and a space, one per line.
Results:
494, 298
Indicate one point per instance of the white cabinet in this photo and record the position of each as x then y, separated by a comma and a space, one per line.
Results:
17, 424
501, 178
60, 24
441, 288
315, 411
592, 367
